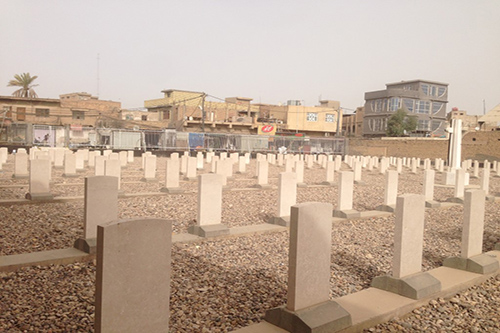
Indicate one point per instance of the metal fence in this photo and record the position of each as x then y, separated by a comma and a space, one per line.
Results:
168, 140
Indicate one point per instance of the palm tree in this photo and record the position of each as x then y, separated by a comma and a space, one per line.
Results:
25, 81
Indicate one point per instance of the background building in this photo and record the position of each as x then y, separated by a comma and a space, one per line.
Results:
182, 110
469, 123
352, 124
424, 99
491, 120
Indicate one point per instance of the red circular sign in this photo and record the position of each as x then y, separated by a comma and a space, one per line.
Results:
267, 128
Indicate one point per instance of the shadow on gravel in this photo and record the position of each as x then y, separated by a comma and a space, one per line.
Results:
206, 295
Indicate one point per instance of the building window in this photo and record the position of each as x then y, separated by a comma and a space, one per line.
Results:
425, 89
379, 105
7, 112
432, 90
409, 104
312, 116
144, 118
78, 115
441, 91
42, 112
394, 104
21, 114
330, 118
435, 124
436, 107
422, 107
423, 125
377, 124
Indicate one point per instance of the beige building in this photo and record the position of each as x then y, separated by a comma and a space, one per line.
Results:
491, 120
182, 110
321, 120
71, 109
469, 123
352, 124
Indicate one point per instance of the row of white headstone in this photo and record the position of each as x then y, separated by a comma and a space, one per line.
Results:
121, 288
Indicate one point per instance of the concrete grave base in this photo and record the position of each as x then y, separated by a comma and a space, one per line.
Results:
263, 186
211, 230
86, 245
359, 182
325, 317
432, 204
21, 176
172, 190
346, 214
490, 198
121, 194
240, 173
387, 208
456, 200
58, 167
39, 196
480, 264
497, 246
149, 180
70, 175
414, 286
283, 220
301, 185
191, 179
328, 183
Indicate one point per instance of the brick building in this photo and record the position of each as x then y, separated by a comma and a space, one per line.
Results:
352, 124
469, 122
73, 111
182, 110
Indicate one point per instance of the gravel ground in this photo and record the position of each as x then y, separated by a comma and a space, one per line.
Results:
220, 285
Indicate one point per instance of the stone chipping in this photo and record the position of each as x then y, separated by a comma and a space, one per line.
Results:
223, 284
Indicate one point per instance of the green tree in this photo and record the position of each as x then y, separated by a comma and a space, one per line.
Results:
25, 81
400, 122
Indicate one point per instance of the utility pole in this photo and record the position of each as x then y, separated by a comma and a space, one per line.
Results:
338, 122
98, 59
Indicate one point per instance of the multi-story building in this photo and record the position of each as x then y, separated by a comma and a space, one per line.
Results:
72, 111
423, 99
182, 110
469, 122
352, 124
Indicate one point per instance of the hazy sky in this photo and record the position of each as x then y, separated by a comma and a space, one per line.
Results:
271, 51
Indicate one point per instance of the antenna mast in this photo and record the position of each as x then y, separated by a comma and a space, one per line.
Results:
98, 58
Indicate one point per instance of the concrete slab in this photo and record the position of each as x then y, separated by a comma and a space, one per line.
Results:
263, 327
369, 304
56, 257
258, 228
185, 238
374, 213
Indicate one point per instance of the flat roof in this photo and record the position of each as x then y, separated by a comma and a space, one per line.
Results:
413, 81
31, 99
170, 90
